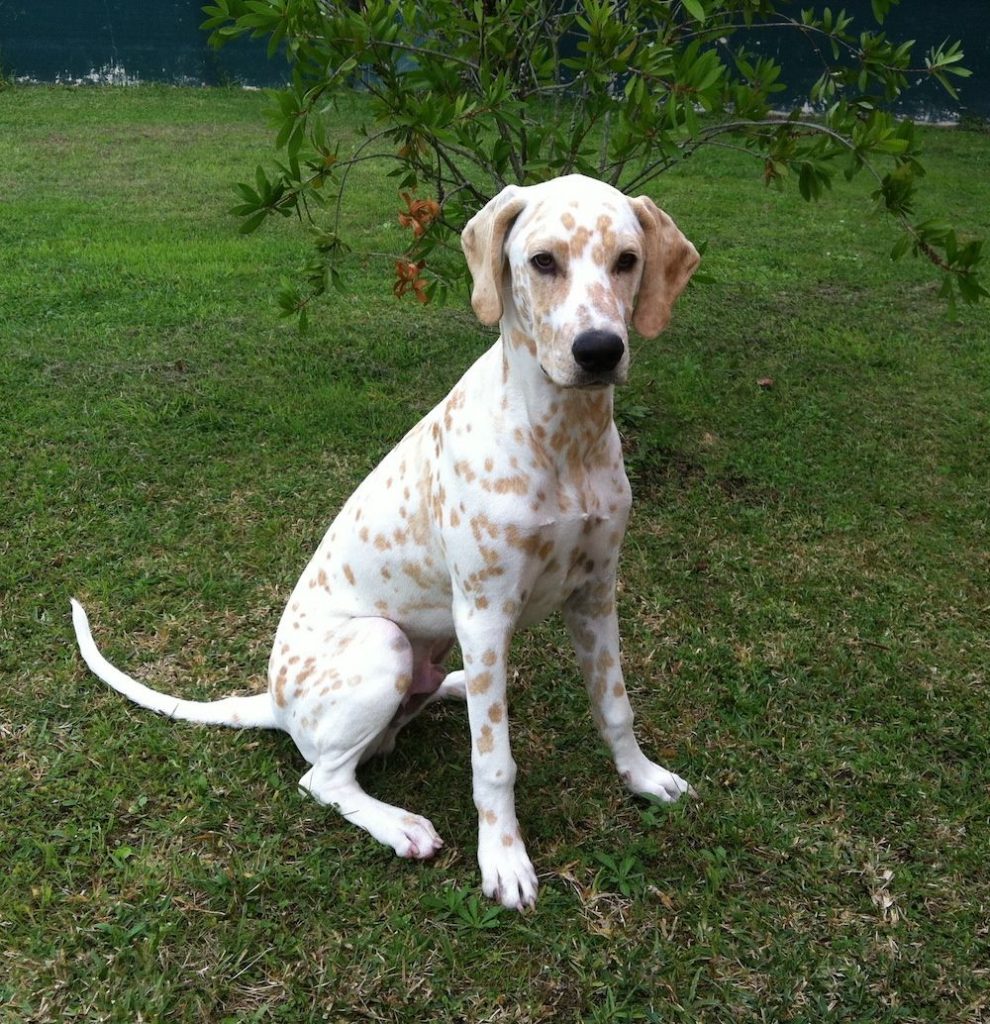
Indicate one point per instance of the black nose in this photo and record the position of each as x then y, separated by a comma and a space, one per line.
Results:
598, 351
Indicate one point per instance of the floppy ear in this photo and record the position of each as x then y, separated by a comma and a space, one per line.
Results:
483, 242
669, 260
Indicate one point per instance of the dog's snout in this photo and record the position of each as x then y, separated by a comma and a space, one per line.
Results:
598, 351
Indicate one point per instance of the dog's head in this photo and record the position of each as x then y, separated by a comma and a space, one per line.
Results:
567, 265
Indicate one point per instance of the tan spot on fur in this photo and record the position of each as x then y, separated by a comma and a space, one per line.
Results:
402, 683
455, 519
567, 219
489, 657
480, 683
454, 402
526, 542
490, 816
489, 464
386, 574
496, 712
486, 741
520, 339
516, 484
510, 608
348, 574
280, 681
365, 534
618, 690
507, 840
578, 241
415, 572
481, 602
463, 468
481, 525
490, 555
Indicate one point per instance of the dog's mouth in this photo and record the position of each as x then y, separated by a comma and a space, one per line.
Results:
583, 381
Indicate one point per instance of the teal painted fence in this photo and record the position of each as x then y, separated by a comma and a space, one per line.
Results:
120, 40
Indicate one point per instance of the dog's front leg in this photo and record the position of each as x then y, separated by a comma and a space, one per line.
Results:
506, 872
590, 615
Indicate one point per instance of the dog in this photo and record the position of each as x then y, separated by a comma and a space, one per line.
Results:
505, 503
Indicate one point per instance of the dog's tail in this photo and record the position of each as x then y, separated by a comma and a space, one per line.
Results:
237, 712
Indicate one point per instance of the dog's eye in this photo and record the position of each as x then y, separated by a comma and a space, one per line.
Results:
544, 262
626, 262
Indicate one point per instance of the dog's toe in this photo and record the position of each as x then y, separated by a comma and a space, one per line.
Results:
656, 783
509, 878
417, 838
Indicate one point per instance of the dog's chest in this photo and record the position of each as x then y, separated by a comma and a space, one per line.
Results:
578, 545
572, 568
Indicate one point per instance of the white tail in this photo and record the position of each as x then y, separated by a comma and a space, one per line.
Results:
254, 712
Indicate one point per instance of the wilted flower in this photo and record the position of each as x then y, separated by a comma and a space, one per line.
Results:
407, 275
420, 214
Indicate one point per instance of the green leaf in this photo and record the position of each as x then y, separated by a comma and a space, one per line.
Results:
252, 223
695, 9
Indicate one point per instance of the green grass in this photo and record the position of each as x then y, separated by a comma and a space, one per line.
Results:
805, 607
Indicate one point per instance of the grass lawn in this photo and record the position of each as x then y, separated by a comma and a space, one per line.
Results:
805, 604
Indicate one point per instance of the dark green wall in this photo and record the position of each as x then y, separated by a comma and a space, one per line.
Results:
98, 40
929, 23
69, 40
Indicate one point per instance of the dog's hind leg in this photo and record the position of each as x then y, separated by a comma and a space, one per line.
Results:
336, 698
451, 688
334, 783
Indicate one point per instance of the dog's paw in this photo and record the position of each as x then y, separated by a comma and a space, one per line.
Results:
453, 687
507, 875
656, 783
416, 838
